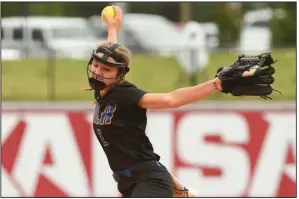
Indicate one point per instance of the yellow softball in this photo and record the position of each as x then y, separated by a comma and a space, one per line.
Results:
109, 11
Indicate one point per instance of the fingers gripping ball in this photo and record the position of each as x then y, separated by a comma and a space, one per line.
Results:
109, 12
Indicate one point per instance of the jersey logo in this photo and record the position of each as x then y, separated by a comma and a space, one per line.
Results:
107, 114
102, 138
96, 119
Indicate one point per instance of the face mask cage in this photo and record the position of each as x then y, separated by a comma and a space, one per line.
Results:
96, 81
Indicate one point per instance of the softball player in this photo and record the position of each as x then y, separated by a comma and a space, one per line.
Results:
120, 119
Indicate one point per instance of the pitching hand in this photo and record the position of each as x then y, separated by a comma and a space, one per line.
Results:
114, 23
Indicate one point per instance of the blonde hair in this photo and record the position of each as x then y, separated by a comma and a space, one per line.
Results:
121, 51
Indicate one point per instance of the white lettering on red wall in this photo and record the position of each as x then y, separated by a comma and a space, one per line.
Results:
219, 153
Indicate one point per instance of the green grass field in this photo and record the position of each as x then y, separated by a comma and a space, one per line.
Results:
28, 80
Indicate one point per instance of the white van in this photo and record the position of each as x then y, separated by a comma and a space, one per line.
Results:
196, 55
145, 33
256, 33
69, 37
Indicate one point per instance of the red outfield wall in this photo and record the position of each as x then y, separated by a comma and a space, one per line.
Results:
220, 153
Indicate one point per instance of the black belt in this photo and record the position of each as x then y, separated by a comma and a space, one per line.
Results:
137, 170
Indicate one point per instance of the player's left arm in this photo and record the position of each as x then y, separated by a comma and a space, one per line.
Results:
181, 96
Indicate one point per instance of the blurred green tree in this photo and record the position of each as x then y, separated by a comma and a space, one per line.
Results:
46, 9
229, 19
11, 9
284, 26
228, 16
169, 10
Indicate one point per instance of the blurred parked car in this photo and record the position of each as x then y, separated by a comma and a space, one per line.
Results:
210, 30
69, 37
10, 54
256, 33
148, 33
145, 33
211, 34
197, 57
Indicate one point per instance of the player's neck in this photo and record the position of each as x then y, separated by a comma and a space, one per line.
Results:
106, 90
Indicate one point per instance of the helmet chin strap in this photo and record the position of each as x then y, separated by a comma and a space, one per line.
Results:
96, 84
99, 85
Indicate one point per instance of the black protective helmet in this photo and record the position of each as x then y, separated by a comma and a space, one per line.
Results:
95, 81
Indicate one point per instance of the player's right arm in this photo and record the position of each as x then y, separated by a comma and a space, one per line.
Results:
180, 97
113, 24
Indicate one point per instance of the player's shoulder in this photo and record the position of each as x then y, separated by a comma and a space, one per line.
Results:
121, 89
127, 93
124, 85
